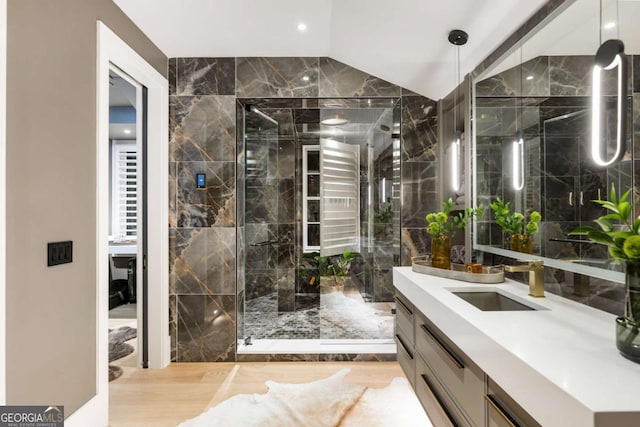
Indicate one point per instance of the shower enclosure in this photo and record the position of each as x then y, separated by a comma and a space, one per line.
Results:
318, 224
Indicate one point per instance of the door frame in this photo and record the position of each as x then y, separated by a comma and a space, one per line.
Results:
113, 50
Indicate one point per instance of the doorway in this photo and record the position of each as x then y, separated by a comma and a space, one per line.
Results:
127, 222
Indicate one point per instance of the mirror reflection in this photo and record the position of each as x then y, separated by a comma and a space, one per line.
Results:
533, 134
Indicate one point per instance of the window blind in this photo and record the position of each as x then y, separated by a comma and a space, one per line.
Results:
125, 190
339, 197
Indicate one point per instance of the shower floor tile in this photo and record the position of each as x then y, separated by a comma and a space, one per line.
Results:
334, 315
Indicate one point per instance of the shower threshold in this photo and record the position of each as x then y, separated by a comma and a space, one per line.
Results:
318, 346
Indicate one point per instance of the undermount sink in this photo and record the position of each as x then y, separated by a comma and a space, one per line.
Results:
492, 301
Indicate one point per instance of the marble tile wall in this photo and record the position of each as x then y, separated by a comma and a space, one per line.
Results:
207, 226
419, 157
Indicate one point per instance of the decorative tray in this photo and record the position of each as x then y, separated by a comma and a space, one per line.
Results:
489, 275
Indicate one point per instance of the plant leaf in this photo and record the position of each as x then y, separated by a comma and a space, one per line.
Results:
601, 237
581, 231
604, 224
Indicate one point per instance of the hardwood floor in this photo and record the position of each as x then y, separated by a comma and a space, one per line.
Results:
166, 397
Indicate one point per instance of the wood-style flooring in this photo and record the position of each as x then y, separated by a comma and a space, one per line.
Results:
166, 397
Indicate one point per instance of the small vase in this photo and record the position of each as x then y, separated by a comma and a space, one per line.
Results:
521, 243
441, 252
627, 334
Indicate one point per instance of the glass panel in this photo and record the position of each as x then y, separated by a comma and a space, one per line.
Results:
313, 211
313, 159
313, 234
313, 185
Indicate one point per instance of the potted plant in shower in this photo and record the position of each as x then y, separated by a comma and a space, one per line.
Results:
329, 273
441, 226
620, 232
516, 225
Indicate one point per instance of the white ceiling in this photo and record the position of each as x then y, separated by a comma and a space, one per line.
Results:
404, 41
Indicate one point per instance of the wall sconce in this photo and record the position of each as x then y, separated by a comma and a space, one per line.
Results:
517, 158
609, 56
457, 38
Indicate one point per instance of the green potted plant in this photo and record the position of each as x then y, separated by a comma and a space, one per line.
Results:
621, 234
516, 225
329, 272
441, 226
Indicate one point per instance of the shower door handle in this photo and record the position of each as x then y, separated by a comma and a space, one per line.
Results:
264, 243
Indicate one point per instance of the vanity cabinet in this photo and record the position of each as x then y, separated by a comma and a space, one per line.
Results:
404, 337
453, 390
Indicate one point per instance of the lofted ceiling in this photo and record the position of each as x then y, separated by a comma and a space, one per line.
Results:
404, 41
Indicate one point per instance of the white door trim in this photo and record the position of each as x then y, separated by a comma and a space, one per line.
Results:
3, 192
113, 50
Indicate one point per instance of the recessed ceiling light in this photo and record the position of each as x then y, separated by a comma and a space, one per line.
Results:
302, 26
609, 25
127, 131
529, 77
334, 121
305, 78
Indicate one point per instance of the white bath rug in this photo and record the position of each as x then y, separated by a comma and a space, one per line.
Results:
324, 403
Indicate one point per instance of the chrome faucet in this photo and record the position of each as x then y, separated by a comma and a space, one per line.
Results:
536, 275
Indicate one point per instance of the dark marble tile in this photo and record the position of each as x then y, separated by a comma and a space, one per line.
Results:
262, 202
383, 287
210, 206
206, 328
341, 80
188, 261
221, 260
505, 83
415, 242
570, 75
362, 357
285, 234
281, 103
202, 260
535, 77
171, 75
277, 358
205, 76
419, 192
407, 92
419, 129
203, 128
277, 77
258, 256
173, 218
173, 326
260, 283
286, 199
286, 290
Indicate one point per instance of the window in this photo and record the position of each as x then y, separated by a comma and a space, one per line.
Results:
311, 198
124, 186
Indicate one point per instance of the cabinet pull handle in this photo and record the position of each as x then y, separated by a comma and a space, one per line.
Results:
454, 359
581, 198
439, 402
403, 306
496, 405
570, 198
404, 346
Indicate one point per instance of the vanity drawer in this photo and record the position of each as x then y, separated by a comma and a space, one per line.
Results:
442, 411
503, 411
461, 378
406, 357
404, 317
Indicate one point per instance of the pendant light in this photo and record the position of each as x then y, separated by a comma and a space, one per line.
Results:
517, 152
457, 38
610, 55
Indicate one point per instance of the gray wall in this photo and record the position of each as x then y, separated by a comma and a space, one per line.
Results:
51, 168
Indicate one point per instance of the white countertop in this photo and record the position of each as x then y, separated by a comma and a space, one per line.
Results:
560, 363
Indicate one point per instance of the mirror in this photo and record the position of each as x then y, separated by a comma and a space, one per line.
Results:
532, 133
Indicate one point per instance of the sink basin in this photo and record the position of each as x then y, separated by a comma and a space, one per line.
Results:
492, 301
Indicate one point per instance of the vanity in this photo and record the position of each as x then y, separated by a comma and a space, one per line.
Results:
491, 355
